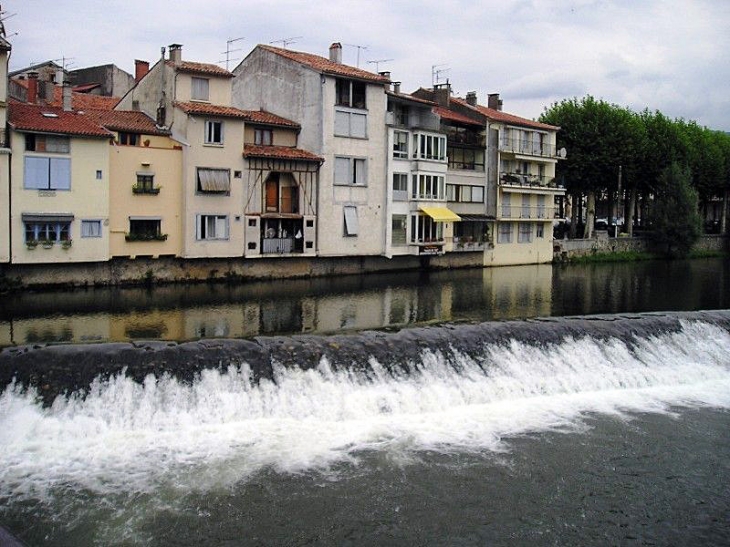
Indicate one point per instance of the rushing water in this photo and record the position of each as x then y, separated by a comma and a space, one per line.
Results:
589, 430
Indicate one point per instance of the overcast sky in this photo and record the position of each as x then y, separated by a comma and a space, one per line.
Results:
672, 55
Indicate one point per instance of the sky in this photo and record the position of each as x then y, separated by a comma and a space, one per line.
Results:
666, 55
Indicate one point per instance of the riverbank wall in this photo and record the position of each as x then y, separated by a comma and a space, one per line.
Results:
567, 249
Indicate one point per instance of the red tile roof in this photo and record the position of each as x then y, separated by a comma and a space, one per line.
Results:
325, 66
206, 109
410, 98
207, 69
279, 152
130, 121
30, 117
452, 116
267, 118
85, 88
499, 116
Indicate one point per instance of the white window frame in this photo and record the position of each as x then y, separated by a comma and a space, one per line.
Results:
430, 147
400, 144
427, 186
214, 132
398, 241
400, 186
350, 171
199, 89
91, 228
219, 222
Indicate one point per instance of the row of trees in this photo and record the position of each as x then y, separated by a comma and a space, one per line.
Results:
637, 164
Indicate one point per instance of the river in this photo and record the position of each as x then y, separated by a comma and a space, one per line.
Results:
541, 405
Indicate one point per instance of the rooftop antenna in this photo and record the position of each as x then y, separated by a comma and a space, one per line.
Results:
377, 63
228, 50
437, 72
358, 51
3, 16
65, 62
286, 41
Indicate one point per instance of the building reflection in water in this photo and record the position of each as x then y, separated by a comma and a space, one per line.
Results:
323, 306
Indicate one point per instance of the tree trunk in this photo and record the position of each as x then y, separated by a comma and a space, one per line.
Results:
590, 215
723, 215
631, 217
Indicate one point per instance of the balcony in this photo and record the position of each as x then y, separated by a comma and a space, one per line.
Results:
528, 148
528, 212
143, 189
529, 181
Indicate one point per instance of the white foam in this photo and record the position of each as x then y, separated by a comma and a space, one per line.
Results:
218, 431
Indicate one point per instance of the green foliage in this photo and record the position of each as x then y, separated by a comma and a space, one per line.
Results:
621, 256
676, 223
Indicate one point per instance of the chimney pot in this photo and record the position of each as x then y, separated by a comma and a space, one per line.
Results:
494, 102
336, 53
141, 68
396, 87
175, 51
32, 87
471, 98
67, 105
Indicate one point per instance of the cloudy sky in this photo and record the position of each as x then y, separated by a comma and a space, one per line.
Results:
667, 55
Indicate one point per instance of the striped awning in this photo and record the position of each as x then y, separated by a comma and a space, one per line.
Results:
214, 180
441, 214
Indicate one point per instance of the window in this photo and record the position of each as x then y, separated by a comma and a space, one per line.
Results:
539, 231
145, 184
400, 186
91, 228
263, 137
466, 158
525, 206
200, 89
128, 139
47, 143
540, 206
213, 181
145, 229
350, 93
431, 147
213, 132
477, 194
428, 187
525, 233
505, 232
212, 227
400, 144
53, 228
464, 193
351, 224
98, 174
398, 236
47, 173
402, 114
350, 124
425, 230
350, 171
507, 205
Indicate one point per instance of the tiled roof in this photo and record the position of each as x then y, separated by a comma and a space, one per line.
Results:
499, 116
30, 117
85, 88
410, 98
452, 116
267, 118
130, 121
324, 65
205, 109
279, 152
207, 69
84, 101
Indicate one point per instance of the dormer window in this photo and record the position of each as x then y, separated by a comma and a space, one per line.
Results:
200, 89
128, 139
263, 137
350, 93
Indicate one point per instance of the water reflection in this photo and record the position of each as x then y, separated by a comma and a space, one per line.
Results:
361, 302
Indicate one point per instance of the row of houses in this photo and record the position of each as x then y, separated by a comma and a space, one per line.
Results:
289, 155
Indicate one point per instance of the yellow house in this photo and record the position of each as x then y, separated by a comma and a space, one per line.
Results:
145, 174
59, 195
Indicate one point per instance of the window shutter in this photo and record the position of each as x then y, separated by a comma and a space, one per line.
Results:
342, 123
61, 173
36, 173
342, 170
358, 125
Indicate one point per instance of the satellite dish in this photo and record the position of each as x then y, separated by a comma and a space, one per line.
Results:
562, 153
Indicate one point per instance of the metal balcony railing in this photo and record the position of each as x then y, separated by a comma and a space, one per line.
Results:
528, 212
520, 179
528, 147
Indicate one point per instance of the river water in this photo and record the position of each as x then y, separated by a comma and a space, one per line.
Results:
572, 405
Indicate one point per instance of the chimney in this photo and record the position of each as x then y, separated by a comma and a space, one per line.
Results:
66, 96
141, 68
336, 53
396, 87
494, 102
32, 87
59, 78
385, 74
471, 98
442, 94
175, 53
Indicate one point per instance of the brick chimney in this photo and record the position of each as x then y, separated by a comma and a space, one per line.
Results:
175, 51
336, 53
66, 96
442, 94
471, 98
494, 102
141, 68
32, 96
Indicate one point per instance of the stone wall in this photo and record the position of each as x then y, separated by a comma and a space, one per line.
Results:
565, 249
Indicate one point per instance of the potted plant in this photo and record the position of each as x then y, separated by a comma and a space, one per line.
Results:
31, 244
67, 244
47, 243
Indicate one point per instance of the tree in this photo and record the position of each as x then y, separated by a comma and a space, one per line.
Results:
676, 223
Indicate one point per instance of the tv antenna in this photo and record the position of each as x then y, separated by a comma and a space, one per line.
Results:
359, 47
286, 41
4, 15
377, 63
436, 73
228, 50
